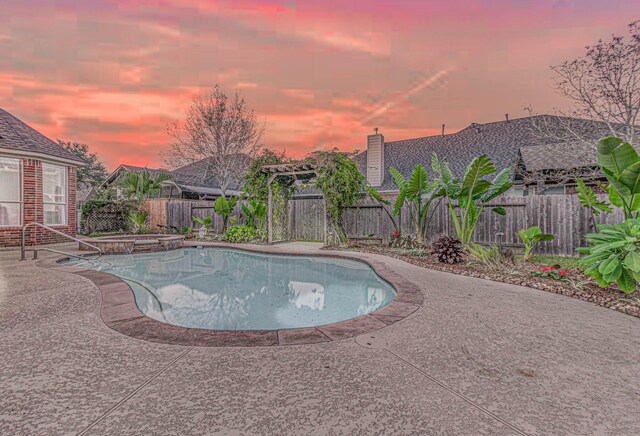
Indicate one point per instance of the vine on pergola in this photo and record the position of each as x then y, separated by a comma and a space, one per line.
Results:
342, 184
333, 172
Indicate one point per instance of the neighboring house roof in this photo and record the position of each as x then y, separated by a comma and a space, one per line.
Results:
195, 177
501, 141
198, 174
132, 169
20, 138
559, 156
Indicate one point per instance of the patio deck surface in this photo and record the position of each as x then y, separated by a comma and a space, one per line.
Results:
478, 357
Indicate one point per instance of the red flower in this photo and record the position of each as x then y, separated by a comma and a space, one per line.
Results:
563, 273
545, 270
396, 233
552, 268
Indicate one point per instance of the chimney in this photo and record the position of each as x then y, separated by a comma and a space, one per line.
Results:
443, 130
506, 117
375, 158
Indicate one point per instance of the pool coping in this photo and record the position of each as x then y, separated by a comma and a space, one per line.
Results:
119, 312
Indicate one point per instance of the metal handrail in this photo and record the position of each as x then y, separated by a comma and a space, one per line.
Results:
23, 248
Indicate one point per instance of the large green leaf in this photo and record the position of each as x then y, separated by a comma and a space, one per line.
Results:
615, 155
480, 167
588, 199
630, 178
398, 178
418, 184
501, 184
499, 210
399, 202
632, 261
608, 265
626, 282
377, 196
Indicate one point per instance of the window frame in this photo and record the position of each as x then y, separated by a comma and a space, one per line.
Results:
65, 190
20, 201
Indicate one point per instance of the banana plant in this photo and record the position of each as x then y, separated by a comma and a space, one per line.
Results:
471, 194
205, 224
417, 193
531, 237
224, 208
620, 164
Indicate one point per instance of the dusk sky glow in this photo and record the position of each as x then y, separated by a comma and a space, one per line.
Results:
318, 73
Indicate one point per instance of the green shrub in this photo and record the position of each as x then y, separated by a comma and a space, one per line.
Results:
613, 255
241, 233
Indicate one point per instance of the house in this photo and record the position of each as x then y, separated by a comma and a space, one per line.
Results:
193, 181
37, 184
545, 161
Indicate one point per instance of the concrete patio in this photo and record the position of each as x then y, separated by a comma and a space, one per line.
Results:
479, 357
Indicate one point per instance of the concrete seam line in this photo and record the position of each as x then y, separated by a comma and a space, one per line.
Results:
458, 394
138, 389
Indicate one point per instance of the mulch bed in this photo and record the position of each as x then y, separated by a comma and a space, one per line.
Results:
579, 286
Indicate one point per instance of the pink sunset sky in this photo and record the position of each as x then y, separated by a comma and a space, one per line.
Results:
319, 74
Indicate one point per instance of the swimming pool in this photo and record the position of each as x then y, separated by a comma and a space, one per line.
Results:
227, 289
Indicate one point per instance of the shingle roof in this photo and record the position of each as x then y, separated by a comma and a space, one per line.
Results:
501, 141
198, 174
558, 156
17, 136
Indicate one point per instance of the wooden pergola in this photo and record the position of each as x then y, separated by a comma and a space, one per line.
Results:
303, 171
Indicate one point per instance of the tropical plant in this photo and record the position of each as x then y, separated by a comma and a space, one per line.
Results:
448, 250
143, 185
613, 255
243, 233
620, 164
138, 220
224, 208
531, 237
205, 225
471, 194
417, 193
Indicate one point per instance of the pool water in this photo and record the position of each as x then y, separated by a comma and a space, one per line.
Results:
225, 289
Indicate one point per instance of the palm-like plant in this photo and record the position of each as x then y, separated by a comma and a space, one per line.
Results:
472, 193
139, 220
418, 195
143, 185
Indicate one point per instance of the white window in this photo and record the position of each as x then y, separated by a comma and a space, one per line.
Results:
10, 192
54, 194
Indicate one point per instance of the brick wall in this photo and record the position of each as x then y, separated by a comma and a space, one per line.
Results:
33, 208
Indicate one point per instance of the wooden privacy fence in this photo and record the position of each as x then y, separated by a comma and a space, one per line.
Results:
561, 215
180, 213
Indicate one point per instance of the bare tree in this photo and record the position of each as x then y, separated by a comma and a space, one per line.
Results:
220, 132
603, 85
